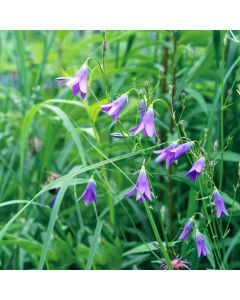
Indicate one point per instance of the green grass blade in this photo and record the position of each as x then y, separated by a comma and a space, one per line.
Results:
94, 244
52, 221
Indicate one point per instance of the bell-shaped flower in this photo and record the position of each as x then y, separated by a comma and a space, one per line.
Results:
142, 188
89, 195
79, 82
172, 153
146, 123
114, 108
187, 230
196, 169
219, 203
201, 245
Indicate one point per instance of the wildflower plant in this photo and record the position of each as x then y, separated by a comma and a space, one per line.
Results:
148, 138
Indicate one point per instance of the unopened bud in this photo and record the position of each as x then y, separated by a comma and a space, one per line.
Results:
215, 145
183, 97
211, 164
105, 46
202, 150
181, 123
146, 85
163, 210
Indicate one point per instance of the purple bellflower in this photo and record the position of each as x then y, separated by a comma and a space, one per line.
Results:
202, 249
172, 153
196, 169
142, 188
164, 154
89, 195
219, 202
79, 82
114, 108
187, 230
146, 123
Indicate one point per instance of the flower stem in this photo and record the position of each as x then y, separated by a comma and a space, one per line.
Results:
221, 112
156, 233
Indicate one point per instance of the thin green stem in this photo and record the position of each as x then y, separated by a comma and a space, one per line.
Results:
79, 216
221, 112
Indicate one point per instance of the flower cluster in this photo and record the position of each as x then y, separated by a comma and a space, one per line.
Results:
169, 154
202, 249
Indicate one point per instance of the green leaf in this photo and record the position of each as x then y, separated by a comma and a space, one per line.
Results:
95, 109
197, 96
230, 156
52, 221
148, 247
231, 201
94, 244
69, 126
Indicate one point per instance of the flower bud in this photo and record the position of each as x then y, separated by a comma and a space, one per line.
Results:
202, 150
181, 123
146, 86
105, 46
211, 164
215, 145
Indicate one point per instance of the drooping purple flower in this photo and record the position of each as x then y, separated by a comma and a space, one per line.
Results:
172, 153
114, 108
177, 263
142, 188
196, 169
187, 230
79, 82
219, 202
89, 195
164, 153
146, 124
202, 249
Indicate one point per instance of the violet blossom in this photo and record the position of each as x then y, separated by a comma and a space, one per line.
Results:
79, 82
172, 153
146, 123
196, 169
142, 188
202, 249
114, 108
89, 194
187, 230
219, 202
